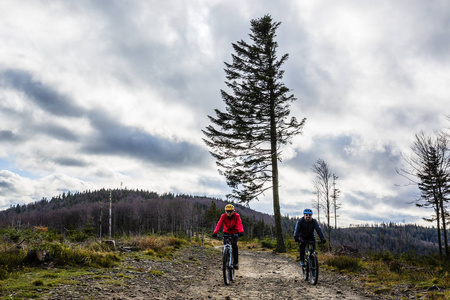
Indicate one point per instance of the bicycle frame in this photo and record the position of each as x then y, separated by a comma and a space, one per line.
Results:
227, 245
311, 268
227, 267
310, 249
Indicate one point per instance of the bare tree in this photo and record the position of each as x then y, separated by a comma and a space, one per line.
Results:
335, 195
324, 176
316, 202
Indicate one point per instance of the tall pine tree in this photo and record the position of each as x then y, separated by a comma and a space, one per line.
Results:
247, 137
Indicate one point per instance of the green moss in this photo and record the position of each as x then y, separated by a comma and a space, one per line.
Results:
155, 273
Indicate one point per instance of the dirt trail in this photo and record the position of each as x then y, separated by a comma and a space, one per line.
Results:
195, 273
271, 276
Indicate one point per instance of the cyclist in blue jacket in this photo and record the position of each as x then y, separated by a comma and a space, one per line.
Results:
304, 231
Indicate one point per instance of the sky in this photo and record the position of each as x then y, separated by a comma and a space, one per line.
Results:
114, 94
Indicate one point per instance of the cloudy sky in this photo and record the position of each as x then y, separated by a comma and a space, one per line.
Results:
95, 94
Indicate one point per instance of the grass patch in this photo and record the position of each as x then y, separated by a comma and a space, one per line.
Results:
112, 282
425, 276
268, 243
341, 263
160, 246
71, 260
31, 282
155, 273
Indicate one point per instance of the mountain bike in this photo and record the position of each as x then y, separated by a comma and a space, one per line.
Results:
227, 258
311, 267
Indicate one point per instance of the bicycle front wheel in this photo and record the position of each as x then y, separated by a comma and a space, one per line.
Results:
226, 267
305, 271
314, 268
232, 270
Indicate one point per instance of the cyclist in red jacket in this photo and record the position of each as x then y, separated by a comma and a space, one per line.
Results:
232, 224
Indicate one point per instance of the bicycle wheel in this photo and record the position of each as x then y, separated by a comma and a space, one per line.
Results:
314, 268
232, 270
225, 266
305, 271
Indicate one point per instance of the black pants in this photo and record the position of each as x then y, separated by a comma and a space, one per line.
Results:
303, 250
234, 246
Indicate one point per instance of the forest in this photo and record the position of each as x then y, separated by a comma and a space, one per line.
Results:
137, 212
134, 212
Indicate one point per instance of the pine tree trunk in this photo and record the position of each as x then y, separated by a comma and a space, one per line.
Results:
438, 226
444, 228
281, 247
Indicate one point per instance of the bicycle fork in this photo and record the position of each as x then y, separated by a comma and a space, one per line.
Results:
230, 253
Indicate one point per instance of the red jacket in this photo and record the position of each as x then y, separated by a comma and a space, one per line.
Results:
231, 225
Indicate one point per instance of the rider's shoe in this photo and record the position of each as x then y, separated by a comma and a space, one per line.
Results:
236, 266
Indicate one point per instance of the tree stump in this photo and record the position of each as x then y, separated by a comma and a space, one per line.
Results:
36, 256
110, 244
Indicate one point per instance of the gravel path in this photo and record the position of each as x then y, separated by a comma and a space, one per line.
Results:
195, 273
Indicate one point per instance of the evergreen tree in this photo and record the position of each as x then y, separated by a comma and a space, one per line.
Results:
430, 164
246, 144
211, 214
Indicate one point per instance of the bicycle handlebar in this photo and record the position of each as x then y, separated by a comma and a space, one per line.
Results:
311, 242
225, 235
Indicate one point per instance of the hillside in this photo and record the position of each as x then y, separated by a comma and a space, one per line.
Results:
133, 212
395, 238
139, 212
380, 238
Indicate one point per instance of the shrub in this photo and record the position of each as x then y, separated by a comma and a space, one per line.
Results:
77, 236
291, 244
150, 252
381, 256
160, 246
351, 264
13, 234
268, 243
38, 282
66, 255
10, 260
155, 273
396, 267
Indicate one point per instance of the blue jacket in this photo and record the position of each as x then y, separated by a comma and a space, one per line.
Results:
304, 231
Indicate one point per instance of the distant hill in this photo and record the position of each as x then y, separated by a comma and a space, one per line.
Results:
380, 238
133, 212
395, 238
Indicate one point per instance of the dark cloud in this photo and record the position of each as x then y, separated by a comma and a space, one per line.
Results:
112, 137
383, 217
362, 199
70, 162
41, 94
322, 146
432, 39
115, 139
6, 186
343, 157
367, 200
213, 183
8, 136
58, 132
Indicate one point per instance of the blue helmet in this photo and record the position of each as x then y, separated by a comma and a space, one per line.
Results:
307, 211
